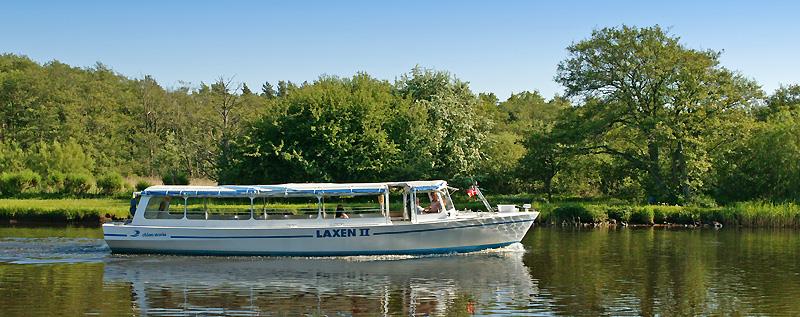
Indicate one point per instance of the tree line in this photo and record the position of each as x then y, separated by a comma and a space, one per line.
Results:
643, 118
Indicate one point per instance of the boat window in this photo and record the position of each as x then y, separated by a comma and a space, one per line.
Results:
351, 207
429, 202
159, 207
197, 208
237, 208
285, 208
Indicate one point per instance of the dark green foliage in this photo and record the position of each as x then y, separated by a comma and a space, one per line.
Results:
175, 178
78, 184
142, 185
110, 183
765, 164
12, 184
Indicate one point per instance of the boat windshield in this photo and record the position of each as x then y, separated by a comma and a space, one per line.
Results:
432, 202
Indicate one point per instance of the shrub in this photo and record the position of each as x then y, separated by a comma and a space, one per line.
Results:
77, 184
575, 213
175, 178
664, 214
686, 216
545, 212
142, 185
12, 184
55, 182
619, 213
702, 201
110, 183
595, 213
642, 215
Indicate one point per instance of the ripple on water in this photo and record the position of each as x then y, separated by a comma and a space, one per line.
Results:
52, 250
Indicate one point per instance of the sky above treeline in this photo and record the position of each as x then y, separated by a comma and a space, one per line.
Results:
498, 46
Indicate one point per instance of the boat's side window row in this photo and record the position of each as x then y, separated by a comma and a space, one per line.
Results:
198, 208
265, 208
239, 208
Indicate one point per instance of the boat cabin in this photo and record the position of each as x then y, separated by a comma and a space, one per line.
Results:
294, 205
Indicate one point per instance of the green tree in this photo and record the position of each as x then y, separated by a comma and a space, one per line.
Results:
545, 156
56, 157
330, 130
453, 132
655, 104
785, 98
267, 91
246, 90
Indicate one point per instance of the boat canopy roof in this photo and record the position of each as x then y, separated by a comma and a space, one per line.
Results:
295, 190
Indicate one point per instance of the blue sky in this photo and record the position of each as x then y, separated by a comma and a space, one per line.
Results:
497, 46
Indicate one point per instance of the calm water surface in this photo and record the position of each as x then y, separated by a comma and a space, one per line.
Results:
555, 271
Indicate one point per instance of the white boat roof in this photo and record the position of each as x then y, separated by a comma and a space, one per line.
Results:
295, 189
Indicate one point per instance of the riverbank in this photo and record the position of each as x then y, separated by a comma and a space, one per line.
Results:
84, 210
745, 214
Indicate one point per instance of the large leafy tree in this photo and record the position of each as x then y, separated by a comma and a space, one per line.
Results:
655, 104
330, 130
452, 130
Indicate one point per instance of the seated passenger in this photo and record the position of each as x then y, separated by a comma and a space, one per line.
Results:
164, 205
340, 212
420, 209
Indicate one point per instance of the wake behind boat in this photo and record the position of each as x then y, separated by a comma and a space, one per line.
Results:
313, 219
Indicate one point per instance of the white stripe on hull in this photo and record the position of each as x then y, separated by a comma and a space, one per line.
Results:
462, 235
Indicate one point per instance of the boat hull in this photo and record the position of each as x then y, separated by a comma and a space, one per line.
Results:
447, 236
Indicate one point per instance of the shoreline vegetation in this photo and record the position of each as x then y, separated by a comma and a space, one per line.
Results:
754, 214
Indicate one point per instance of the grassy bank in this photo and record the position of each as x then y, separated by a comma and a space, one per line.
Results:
745, 214
62, 210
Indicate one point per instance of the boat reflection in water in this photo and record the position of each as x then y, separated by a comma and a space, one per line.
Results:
486, 282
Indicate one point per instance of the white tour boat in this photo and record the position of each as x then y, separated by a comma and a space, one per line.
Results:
312, 220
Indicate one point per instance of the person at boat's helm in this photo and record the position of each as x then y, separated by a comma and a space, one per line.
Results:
433, 208
436, 206
340, 212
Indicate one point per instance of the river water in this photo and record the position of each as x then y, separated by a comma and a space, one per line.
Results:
69, 271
